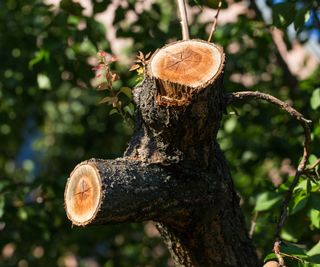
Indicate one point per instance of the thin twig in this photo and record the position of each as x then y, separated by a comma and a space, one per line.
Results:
244, 95
215, 21
253, 224
183, 19
315, 164
277, 251
292, 256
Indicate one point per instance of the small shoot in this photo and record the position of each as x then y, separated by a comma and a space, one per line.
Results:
140, 65
118, 99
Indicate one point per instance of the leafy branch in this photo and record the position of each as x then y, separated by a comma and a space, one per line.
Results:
105, 78
301, 169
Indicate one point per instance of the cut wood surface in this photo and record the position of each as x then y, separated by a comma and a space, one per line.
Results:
185, 67
83, 194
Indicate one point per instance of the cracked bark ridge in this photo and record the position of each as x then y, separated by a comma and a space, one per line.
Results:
174, 173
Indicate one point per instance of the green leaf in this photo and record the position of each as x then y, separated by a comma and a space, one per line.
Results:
298, 202
315, 201
127, 91
129, 109
314, 254
267, 200
40, 55
289, 235
113, 111
315, 218
270, 256
111, 100
315, 99
292, 249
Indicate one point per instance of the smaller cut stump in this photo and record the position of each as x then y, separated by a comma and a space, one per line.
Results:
184, 68
83, 194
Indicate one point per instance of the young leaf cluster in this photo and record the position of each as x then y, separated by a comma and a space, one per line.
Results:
140, 65
118, 99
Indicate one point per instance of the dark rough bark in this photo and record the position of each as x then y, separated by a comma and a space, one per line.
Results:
174, 173
184, 139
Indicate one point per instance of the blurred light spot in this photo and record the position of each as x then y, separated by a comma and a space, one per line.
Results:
22, 214
82, 25
66, 75
89, 263
43, 81
171, 263
230, 125
23, 263
12, 115
38, 252
266, 77
5, 129
26, 9
39, 200
2, 225
28, 165
245, 79
151, 230
68, 260
8, 250
233, 48
119, 240
70, 54
70, 41
8, 73
10, 166
16, 52
158, 251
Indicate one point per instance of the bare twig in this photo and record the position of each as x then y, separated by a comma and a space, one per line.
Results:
215, 21
291, 256
253, 224
312, 172
276, 249
184, 19
233, 97
314, 165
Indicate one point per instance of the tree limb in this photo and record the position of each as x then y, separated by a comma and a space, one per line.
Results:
132, 191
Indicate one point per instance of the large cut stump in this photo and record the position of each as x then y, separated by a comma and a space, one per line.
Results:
173, 171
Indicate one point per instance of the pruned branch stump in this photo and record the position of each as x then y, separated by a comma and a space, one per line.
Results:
173, 171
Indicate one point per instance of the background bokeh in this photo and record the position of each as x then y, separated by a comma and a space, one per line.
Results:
50, 120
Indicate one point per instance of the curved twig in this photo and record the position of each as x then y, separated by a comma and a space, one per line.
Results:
244, 95
215, 21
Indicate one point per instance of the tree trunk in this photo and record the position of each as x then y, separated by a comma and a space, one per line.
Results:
173, 171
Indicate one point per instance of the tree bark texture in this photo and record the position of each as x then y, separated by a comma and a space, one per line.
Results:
174, 173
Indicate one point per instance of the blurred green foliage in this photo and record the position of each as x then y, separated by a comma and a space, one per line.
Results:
50, 121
